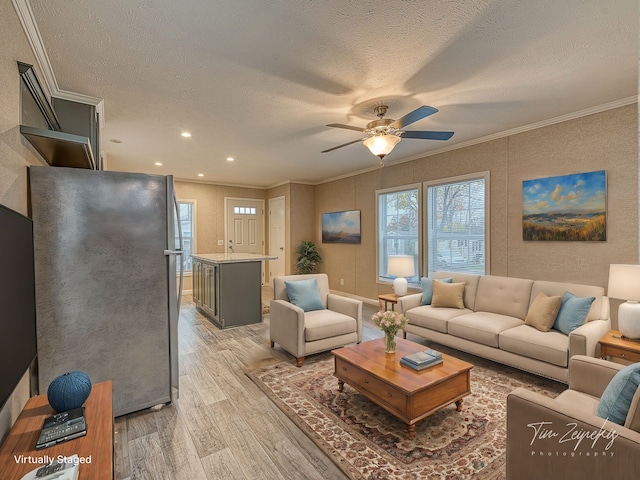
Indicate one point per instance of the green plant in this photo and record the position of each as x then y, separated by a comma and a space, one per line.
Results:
308, 257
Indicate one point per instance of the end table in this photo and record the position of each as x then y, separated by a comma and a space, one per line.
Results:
391, 298
614, 345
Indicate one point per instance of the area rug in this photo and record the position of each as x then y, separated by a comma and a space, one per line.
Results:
366, 442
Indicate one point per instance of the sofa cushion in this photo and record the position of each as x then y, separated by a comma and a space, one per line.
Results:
433, 318
616, 399
504, 295
320, 324
573, 312
448, 295
543, 312
599, 308
470, 285
482, 327
427, 288
305, 294
551, 347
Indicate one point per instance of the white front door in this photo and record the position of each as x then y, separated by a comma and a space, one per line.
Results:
277, 246
245, 225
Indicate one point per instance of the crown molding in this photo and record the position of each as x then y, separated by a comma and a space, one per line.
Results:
525, 128
208, 182
25, 14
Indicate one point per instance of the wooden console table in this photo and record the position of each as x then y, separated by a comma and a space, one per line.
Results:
96, 446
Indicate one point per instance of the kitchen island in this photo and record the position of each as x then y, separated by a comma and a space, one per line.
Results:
227, 287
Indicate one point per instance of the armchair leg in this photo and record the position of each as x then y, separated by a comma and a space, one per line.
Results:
404, 334
299, 361
273, 344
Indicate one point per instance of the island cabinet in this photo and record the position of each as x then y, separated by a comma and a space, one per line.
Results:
227, 287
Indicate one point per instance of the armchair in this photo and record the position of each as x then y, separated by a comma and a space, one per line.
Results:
564, 438
303, 333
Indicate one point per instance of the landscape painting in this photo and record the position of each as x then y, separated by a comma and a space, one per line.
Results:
341, 227
567, 208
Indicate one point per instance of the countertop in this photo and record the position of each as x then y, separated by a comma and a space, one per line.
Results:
232, 257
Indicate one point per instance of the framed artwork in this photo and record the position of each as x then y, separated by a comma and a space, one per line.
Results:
566, 208
341, 227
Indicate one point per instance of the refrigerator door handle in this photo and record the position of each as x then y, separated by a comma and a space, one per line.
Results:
173, 252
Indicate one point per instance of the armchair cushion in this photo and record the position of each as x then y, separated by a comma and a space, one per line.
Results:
427, 288
321, 324
573, 312
617, 397
305, 294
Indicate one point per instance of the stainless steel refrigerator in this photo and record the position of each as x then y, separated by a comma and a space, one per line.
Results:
107, 295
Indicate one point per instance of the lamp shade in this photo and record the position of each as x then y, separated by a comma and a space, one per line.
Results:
400, 265
624, 282
381, 145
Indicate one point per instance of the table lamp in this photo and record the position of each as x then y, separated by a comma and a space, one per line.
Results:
624, 284
400, 266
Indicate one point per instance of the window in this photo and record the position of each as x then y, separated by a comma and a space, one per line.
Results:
244, 210
398, 228
187, 222
457, 219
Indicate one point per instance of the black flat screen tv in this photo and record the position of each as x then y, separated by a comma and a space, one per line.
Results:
17, 300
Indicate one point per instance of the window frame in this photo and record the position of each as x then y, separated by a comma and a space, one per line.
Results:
380, 279
484, 175
192, 202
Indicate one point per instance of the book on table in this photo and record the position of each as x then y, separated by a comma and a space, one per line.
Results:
420, 360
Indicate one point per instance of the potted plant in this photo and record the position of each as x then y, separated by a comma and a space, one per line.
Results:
308, 257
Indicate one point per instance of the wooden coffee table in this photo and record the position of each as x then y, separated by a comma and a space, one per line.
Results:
408, 394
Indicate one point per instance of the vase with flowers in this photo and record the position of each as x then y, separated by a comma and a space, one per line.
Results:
389, 322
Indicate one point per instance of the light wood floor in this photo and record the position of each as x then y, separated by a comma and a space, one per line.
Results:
222, 426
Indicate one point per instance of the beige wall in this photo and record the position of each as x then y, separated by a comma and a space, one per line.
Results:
604, 141
15, 155
302, 220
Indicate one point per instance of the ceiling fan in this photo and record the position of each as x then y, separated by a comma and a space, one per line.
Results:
383, 134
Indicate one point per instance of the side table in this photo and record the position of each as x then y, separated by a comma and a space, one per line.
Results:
391, 298
613, 345
95, 449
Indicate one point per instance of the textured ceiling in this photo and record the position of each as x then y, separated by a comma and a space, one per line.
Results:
259, 80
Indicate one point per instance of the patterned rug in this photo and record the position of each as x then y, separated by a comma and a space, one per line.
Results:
366, 442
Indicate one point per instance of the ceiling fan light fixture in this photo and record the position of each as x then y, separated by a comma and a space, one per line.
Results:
381, 145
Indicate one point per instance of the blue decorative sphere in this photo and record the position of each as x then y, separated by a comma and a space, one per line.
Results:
68, 391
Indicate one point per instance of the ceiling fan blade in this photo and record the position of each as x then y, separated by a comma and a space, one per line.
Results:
428, 135
418, 114
348, 127
340, 146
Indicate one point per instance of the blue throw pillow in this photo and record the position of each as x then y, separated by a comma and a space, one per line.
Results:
573, 312
305, 294
427, 288
616, 399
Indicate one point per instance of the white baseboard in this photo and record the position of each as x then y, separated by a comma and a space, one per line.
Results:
368, 301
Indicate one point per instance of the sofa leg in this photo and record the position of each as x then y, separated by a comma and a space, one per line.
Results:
404, 334
273, 344
299, 361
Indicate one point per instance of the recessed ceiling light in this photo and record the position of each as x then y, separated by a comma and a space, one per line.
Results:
201, 174
230, 159
185, 134
115, 140
159, 164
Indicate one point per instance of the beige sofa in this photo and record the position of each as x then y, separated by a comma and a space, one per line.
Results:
492, 323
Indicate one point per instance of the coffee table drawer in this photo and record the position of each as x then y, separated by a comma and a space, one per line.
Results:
364, 381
